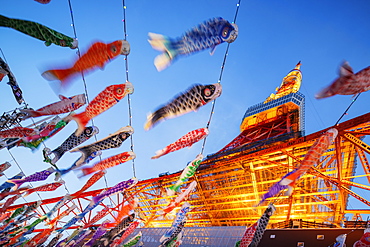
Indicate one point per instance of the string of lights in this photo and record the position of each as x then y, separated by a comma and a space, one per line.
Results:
128, 96
220, 77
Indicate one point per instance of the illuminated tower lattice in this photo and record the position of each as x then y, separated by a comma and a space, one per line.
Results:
231, 182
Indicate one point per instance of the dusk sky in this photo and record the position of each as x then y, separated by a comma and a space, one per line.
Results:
273, 37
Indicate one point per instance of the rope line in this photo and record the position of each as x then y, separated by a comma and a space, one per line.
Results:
128, 96
220, 78
83, 77
350, 105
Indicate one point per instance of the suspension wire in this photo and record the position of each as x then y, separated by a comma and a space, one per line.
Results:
345, 112
83, 77
220, 77
128, 96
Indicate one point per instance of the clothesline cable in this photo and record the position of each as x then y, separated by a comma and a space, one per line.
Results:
220, 77
82, 74
346, 111
128, 96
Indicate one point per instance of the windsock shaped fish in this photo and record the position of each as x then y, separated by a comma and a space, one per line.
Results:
206, 35
174, 234
30, 208
276, 188
340, 240
313, 155
51, 129
62, 242
39, 31
54, 240
191, 100
61, 172
188, 172
125, 210
17, 132
109, 162
112, 141
31, 227
80, 216
7, 184
120, 187
176, 242
15, 238
185, 141
4, 166
28, 217
128, 231
262, 224
94, 178
247, 236
5, 216
99, 215
17, 92
180, 198
180, 216
3, 73
348, 83
75, 233
48, 130
38, 176
65, 105
46, 187
123, 225
19, 191
40, 238
16, 212
8, 202
97, 234
58, 205
43, 1
132, 241
364, 241
54, 221
71, 142
76, 241
70, 223
110, 96
97, 55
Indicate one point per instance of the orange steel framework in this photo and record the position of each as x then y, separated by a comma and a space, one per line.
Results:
231, 182
230, 186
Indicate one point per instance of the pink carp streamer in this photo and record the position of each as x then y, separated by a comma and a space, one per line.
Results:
109, 162
185, 141
348, 83
313, 155
248, 235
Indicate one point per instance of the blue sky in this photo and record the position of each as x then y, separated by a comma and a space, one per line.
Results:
273, 37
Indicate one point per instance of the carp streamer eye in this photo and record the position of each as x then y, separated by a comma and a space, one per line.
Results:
113, 49
207, 92
225, 32
119, 90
